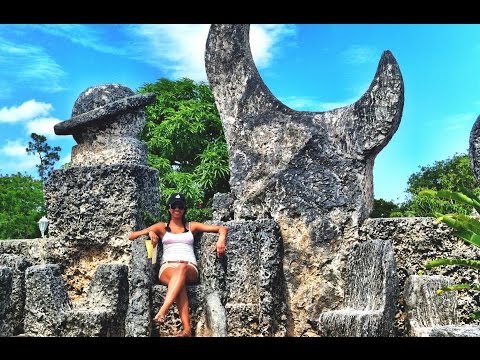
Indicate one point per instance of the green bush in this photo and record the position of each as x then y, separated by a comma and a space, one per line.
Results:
467, 228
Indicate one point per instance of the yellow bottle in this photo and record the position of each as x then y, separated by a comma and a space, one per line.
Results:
149, 246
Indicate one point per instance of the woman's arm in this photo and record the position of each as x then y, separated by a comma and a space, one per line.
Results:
221, 230
152, 232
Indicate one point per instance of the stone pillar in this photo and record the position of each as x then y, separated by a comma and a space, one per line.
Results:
46, 302
249, 282
108, 187
6, 314
106, 193
15, 310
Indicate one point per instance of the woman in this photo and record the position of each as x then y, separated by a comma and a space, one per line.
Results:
178, 266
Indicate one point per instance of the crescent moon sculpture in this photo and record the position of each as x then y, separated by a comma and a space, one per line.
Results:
313, 166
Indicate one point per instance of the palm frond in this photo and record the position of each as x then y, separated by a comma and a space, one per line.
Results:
475, 264
457, 287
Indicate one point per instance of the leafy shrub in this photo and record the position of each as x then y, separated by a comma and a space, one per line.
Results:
467, 228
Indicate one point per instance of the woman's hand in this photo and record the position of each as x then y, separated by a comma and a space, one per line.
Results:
220, 247
154, 237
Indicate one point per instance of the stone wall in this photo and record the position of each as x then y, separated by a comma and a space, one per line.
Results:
417, 241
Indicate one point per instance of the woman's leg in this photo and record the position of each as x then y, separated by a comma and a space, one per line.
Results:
175, 279
182, 304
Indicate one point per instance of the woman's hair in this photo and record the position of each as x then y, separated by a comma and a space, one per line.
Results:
184, 221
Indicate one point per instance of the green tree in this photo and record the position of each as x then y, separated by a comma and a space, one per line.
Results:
47, 155
186, 144
383, 208
453, 174
467, 228
21, 206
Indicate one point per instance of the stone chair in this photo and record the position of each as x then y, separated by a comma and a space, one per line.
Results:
207, 314
241, 294
430, 314
370, 297
104, 310
49, 311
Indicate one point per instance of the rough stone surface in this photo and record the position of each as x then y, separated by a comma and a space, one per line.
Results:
34, 251
99, 106
417, 241
49, 311
7, 327
215, 315
83, 322
424, 307
46, 301
249, 279
107, 121
313, 165
222, 206
17, 265
109, 151
470, 330
96, 207
371, 294
109, 290
141, 279
82, 201
103, 311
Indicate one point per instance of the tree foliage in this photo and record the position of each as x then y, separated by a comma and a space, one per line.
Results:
21, 206
467, 228
383, 208
47, 155
186, 144
453, 174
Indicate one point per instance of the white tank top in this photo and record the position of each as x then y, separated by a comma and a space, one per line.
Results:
178, 246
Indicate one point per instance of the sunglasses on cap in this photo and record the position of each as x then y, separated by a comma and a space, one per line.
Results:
177, 206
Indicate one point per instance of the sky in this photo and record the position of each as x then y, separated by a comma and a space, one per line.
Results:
312, 67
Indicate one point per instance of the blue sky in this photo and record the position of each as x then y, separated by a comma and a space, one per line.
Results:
316, 67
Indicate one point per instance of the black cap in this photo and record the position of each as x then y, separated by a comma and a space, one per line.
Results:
177, 197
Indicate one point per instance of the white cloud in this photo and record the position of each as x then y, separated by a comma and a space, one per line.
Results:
180, 48
16, 159
313, 104
462, 121
14, 148
356, 54
26, 164
42, 126
177, 48
301, 104
265, 40
89, 36
29, 65
28, 110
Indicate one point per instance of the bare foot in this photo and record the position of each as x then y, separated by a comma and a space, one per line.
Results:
184, 333
159, 318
